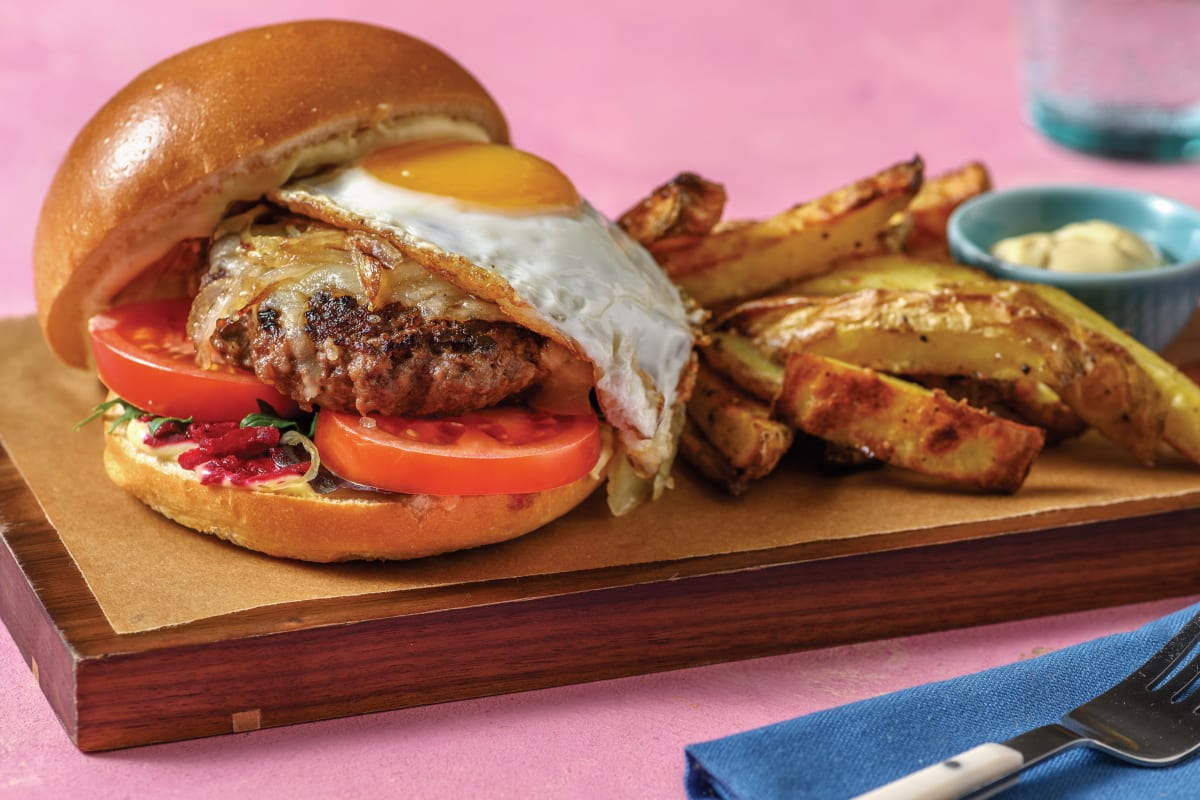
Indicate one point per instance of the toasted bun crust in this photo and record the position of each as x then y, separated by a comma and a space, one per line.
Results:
223, 122
328, 528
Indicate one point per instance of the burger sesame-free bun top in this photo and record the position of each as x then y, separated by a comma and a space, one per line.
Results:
223, 122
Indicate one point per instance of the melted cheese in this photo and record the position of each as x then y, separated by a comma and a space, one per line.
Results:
573, 276
283, 265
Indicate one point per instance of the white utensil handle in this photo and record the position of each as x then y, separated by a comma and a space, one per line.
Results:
953, 778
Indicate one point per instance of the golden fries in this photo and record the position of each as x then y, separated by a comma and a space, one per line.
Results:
904, 424
888, 271
842, 459
687, 205
1180, 394
738, 260
709, 462
939, 195
1025, 400
981, 331
742, 362
856, 292
998, 330
738, 426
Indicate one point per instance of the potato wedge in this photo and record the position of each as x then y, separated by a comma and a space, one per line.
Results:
743, 364
906, 425
940, 194
745, 259
686, 205
976, 331
842, 459
738, 426
998, 330
888, 271
1119, 399
1024, 400
1180, 393
709, 461
1037, 404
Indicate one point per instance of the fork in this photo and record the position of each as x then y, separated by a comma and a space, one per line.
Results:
1149, 719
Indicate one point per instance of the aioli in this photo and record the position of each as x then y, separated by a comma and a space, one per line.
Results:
1091, 246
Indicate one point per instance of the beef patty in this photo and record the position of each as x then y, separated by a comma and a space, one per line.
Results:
340, 320
393, 360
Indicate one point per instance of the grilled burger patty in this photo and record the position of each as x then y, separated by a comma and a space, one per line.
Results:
393, 360
342, 321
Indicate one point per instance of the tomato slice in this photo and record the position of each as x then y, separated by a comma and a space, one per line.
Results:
144, 355
501, 450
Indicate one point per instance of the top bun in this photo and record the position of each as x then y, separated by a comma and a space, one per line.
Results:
223, 122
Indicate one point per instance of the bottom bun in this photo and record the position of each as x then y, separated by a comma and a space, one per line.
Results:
341, 526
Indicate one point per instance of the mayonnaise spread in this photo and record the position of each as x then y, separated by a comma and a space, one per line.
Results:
1091, 246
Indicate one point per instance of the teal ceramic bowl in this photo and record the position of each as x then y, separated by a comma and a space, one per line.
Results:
1152, 304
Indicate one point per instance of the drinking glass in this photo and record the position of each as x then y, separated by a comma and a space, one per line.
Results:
1118, 78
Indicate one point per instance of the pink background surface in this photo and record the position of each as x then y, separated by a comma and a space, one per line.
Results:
781, 101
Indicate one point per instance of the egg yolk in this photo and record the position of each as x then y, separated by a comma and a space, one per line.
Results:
477, 173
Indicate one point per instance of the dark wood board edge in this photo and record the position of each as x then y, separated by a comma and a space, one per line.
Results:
38, 638
304, 675
535, 633
74, 609
339, 611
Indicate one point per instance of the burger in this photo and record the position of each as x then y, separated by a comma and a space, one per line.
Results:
339, 316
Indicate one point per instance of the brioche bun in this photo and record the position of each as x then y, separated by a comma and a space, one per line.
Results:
337, 527
223, 122
154, 172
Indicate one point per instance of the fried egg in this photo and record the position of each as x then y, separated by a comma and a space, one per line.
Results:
511, 228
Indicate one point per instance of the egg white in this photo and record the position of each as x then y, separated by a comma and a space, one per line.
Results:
580, 274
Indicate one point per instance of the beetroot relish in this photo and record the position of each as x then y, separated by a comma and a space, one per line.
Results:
229, 452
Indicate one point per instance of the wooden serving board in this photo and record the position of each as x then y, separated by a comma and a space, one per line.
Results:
316, 659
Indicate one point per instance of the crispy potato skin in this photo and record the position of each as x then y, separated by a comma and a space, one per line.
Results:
1023, 400
930, 210
998, 330
861, 278
906, 425
709, 461
742, 259
739, 426
686, 205
888, 271
1179, 395
743, 363
985, 331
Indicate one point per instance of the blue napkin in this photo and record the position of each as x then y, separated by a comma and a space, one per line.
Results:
845, 751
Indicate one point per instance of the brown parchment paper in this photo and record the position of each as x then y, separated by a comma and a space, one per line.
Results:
147, 572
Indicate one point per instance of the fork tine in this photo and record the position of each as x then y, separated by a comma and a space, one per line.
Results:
1182, 680
1159, 665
